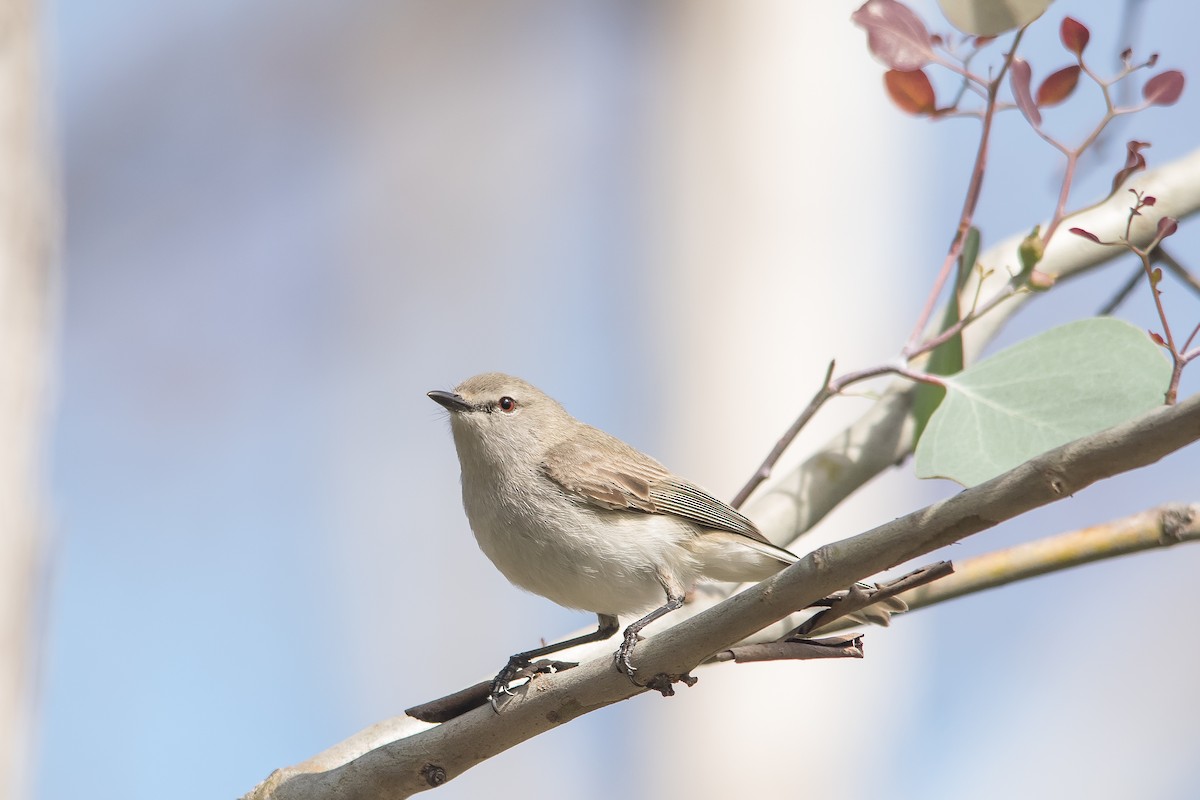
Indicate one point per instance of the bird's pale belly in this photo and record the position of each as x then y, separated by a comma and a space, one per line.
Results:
616, 574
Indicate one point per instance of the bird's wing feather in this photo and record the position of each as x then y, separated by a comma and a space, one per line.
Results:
617, 477
674, 496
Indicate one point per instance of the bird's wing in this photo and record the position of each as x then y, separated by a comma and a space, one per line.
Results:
617, 477
610, 478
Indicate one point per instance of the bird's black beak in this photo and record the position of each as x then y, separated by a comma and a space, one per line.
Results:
449, 400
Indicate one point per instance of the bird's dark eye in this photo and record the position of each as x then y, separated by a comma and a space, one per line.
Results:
507, 405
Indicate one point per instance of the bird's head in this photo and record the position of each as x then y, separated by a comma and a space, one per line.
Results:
500, 419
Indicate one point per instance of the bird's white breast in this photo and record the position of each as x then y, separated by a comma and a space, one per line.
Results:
551, 544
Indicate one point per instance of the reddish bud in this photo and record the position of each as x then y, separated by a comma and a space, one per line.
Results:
1158, 340
1074, 35
1086, 234
895, 34
1152, 60
1167, 226
1164, 88
1126, 55
912, 91
1020, 76
1149, 200
1040, 281
1058, 86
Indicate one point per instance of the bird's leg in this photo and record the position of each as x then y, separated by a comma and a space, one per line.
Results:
674, 601
606, 626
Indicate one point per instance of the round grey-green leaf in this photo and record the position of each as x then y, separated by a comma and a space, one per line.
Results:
1068, 382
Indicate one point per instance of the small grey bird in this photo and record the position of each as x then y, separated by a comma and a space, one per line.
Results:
571, 513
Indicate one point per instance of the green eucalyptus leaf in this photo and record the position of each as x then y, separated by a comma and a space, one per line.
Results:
1068, 382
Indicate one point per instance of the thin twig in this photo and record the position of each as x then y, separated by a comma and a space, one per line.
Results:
795, 650
830, 388
1178, 358
764, 470
857, 598
970, 200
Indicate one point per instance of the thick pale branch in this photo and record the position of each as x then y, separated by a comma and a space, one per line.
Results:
418, 762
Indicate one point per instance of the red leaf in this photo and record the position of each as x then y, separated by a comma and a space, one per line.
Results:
1134, 162
1020, 77
912, 91
1167, 226
1074, 35
895, 35
1164, 88
1158, 340
1058, 86
1086, 234
1149, 200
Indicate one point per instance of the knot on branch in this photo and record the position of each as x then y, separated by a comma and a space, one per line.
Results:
1057, 481
434, 775
663, 683
1175, 521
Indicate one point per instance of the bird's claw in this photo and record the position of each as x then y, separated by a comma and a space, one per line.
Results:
624, 652
520, 668
503, 678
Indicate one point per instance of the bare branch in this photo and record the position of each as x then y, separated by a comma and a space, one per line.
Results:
795, 650
1156, 527
857, 599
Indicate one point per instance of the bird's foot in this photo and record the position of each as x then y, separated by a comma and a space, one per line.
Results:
500, 691
519, 667
662, 682
624, 652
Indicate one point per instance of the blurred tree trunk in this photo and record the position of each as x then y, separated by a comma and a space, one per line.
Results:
27, 236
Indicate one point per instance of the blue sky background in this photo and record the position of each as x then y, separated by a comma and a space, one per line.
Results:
285, 222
